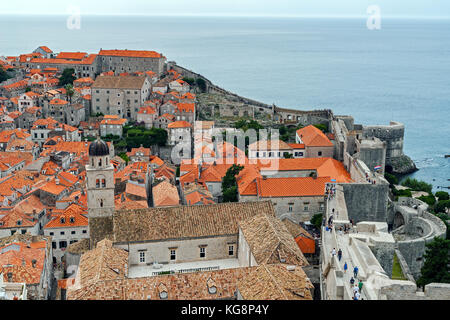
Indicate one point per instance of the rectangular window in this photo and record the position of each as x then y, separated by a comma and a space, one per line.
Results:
54, 245
63, 244
202, 252
73, 232
231, 250
291, 206
62, 233
84, 231
51, 233
142, 256
306, 206
173, 255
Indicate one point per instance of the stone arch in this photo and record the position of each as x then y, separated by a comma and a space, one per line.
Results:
399, 220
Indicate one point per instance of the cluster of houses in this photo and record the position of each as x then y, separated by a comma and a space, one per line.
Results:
65, 201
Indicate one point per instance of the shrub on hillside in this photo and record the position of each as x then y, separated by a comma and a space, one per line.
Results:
442, 195
417, 185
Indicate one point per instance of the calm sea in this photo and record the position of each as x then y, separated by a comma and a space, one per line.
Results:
401, 72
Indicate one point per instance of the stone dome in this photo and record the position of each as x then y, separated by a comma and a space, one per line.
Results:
98, 148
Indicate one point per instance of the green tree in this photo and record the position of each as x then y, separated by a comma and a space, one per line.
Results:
316, 220
441, 206
69, 92
28, 89
67, 77
4, 75
391, 178
322, 127
137, 136
229, 184
201, 84
124, 156
442, 195
435, 268
430, 200
417, 185
190, 81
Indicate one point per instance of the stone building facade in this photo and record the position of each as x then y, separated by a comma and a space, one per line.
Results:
120, 95
128, 61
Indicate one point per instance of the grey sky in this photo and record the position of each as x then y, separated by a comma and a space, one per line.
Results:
407, 8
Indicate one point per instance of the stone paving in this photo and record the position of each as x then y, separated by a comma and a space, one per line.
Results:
342, 241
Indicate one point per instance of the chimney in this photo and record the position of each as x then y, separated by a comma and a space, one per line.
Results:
264, 177
23, 262
9, 275
33, 262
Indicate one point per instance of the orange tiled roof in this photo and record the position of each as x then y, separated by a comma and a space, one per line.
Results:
58, 102
71, 55
86, 61
16, 85
130, 53
67, 179
17, 219
296, 145
53, 188
46, 49
73, 216
136, 190
18, 260
179, 124
314, 137
156, 160
165, 194
186, 107
291, 187
147, 110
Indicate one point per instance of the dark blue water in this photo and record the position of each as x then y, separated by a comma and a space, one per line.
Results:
401, 72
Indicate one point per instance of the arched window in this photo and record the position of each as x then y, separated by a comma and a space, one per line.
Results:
101, 203
97, 183
100, 162
103, 183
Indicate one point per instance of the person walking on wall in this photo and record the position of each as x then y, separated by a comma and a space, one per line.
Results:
360, 285
333, 252
345, 267
340, 254
355, 271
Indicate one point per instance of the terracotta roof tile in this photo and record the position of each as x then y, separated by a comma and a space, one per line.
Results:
270, 242
184, 221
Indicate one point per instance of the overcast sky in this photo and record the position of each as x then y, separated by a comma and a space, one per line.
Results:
406, 8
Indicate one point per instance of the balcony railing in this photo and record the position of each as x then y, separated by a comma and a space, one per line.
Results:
161, 273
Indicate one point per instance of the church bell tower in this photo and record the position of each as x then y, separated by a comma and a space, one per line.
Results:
100, 191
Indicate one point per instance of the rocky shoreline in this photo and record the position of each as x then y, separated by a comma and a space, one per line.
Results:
403, 165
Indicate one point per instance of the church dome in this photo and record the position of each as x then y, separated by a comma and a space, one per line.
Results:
98, 148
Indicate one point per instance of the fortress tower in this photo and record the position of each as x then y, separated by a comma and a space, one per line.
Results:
100, 191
